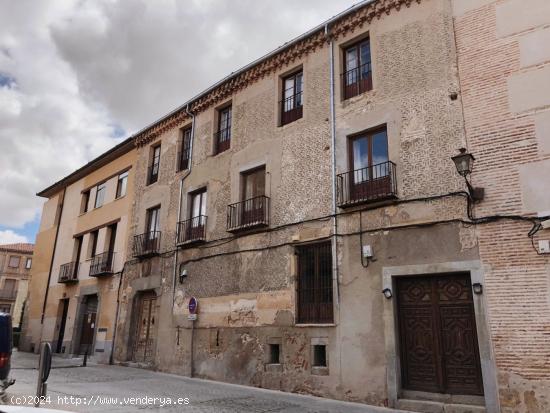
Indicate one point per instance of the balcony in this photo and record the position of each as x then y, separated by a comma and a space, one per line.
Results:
147, 244
8, 294
370, 184
252, 213
68, 273
291, 109
192, 230
102, 264
222, 138
356, 81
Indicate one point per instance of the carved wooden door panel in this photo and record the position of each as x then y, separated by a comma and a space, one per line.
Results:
144, 344
439, 351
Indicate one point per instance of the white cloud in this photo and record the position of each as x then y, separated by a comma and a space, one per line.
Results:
83, 69
10, 237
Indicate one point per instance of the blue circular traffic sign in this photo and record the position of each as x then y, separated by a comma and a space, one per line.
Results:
193, 305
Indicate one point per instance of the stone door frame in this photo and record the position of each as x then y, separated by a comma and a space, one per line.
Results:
391, 327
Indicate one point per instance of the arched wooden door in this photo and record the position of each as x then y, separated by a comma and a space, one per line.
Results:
145, 340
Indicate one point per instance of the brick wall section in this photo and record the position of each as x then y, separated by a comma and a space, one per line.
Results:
517, 279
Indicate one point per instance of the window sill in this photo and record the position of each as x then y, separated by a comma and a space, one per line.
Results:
315, 325
120, 197
319, 370
294, 122
273, 367
353, 99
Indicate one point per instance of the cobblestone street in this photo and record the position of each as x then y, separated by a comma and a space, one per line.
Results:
110, 388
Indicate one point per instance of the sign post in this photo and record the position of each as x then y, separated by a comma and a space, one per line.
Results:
44, 366
193, 308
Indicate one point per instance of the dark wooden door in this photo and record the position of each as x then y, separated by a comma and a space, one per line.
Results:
145, 340
438, 338
88, 325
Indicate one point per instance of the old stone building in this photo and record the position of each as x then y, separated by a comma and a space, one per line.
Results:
310, 203
359, 213
15, 265
80, 253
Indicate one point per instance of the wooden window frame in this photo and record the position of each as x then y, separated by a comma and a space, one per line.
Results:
122, 177
362, 84
94, 235
154, 165
28, 263
296, 111
148, 219
369, 134
103, 188
244, 177
85, 201
184, 157
225, 133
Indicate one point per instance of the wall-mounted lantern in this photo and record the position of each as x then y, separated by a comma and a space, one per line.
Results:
478, 288
387, 293
464, 163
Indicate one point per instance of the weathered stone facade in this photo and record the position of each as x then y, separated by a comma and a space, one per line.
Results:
246, 283
445, 74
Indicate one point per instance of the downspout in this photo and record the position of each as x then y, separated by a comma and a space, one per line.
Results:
334, 195
111, 356
175, 277
51, 264
333, 162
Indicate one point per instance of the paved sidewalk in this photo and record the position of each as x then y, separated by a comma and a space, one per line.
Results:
109, 388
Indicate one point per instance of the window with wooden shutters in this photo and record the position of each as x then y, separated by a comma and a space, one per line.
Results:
315, 301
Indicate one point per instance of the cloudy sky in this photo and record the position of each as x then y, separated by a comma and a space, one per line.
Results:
78, 76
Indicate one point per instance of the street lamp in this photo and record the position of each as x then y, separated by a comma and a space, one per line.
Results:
464, 163
387, 293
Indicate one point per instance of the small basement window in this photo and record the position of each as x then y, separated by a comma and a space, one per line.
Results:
319, 355
274, 354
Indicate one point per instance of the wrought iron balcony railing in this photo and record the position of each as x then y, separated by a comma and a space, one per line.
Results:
68, 273
252, 213
373, 183
291, 108
147, 244
102, 264
222, 138
356, 81
192, 230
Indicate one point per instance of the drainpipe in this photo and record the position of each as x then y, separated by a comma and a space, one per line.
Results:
51, 265
333, 162
174, 282
111, 356
334, 195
